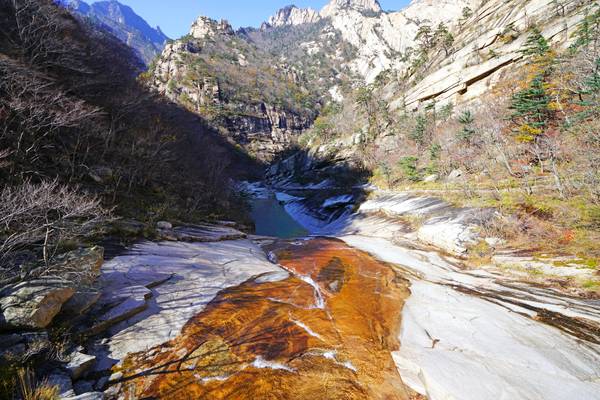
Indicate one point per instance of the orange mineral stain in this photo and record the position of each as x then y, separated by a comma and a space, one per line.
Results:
325, 332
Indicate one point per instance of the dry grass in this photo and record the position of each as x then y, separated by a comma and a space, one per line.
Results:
34, 390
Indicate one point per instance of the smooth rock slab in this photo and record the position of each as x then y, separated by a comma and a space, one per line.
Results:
198, 272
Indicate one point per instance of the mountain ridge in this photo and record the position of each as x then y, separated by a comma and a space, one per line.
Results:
125, 24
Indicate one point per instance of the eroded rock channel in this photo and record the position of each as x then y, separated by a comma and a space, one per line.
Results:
326, 328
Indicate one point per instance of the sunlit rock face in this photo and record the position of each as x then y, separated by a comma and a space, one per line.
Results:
326, 329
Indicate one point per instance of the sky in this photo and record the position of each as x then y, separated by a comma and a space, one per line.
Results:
176, 16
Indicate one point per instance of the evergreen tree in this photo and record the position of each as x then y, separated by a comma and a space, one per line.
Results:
443, 37
531, 111
536, 44
420, 131
425, 37
466, 119
588, 30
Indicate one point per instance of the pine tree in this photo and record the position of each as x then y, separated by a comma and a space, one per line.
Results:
420, 131
443, 37
531, 111
536, 44
466, 119
425, 37
588, 30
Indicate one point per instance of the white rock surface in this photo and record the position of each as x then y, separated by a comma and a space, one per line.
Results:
198, 270
79, 364
473, 335
458, 346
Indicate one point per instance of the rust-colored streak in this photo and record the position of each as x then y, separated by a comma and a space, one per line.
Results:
271, 341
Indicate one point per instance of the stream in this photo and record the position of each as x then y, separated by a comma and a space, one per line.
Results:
352, 312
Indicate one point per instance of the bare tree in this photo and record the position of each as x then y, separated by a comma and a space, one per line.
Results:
41, 216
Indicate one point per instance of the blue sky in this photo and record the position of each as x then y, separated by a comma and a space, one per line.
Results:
175, 16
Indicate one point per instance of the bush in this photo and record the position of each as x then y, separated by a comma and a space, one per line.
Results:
39, 217
408, 167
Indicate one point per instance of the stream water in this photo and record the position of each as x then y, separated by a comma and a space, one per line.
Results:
271, 219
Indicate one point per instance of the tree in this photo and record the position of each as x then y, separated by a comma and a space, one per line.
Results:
467, 13
466, 119
442, 37
531, 111
588, 30
408, 167
425, 37
536, 44
419, 133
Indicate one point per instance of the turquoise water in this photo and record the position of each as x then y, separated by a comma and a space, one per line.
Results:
271, 219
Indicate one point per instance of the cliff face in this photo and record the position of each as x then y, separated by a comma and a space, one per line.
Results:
263, 87
487, 46
255, 101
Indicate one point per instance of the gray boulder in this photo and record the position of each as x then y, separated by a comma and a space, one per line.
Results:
33, 304
79, 364
81, 302
455, 175
164, 225
81, 266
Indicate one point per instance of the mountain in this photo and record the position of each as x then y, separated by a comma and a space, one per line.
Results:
125, 24
391, 92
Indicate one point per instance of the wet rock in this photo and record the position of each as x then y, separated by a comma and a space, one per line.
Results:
290, 334
33, 304
79, 364
197, 272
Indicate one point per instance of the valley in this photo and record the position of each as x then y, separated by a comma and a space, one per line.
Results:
345, 203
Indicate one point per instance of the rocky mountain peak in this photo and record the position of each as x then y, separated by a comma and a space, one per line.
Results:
206, 27
292, 15
359, 5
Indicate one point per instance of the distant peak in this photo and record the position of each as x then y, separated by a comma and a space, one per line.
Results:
207, 27
358, 5
292, 15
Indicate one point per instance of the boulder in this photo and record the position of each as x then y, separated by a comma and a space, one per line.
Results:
131, 301
101, 174
79, 364
81, 302
81, 266
164, 225
33, 304
455, 175
431, 178
129, 227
